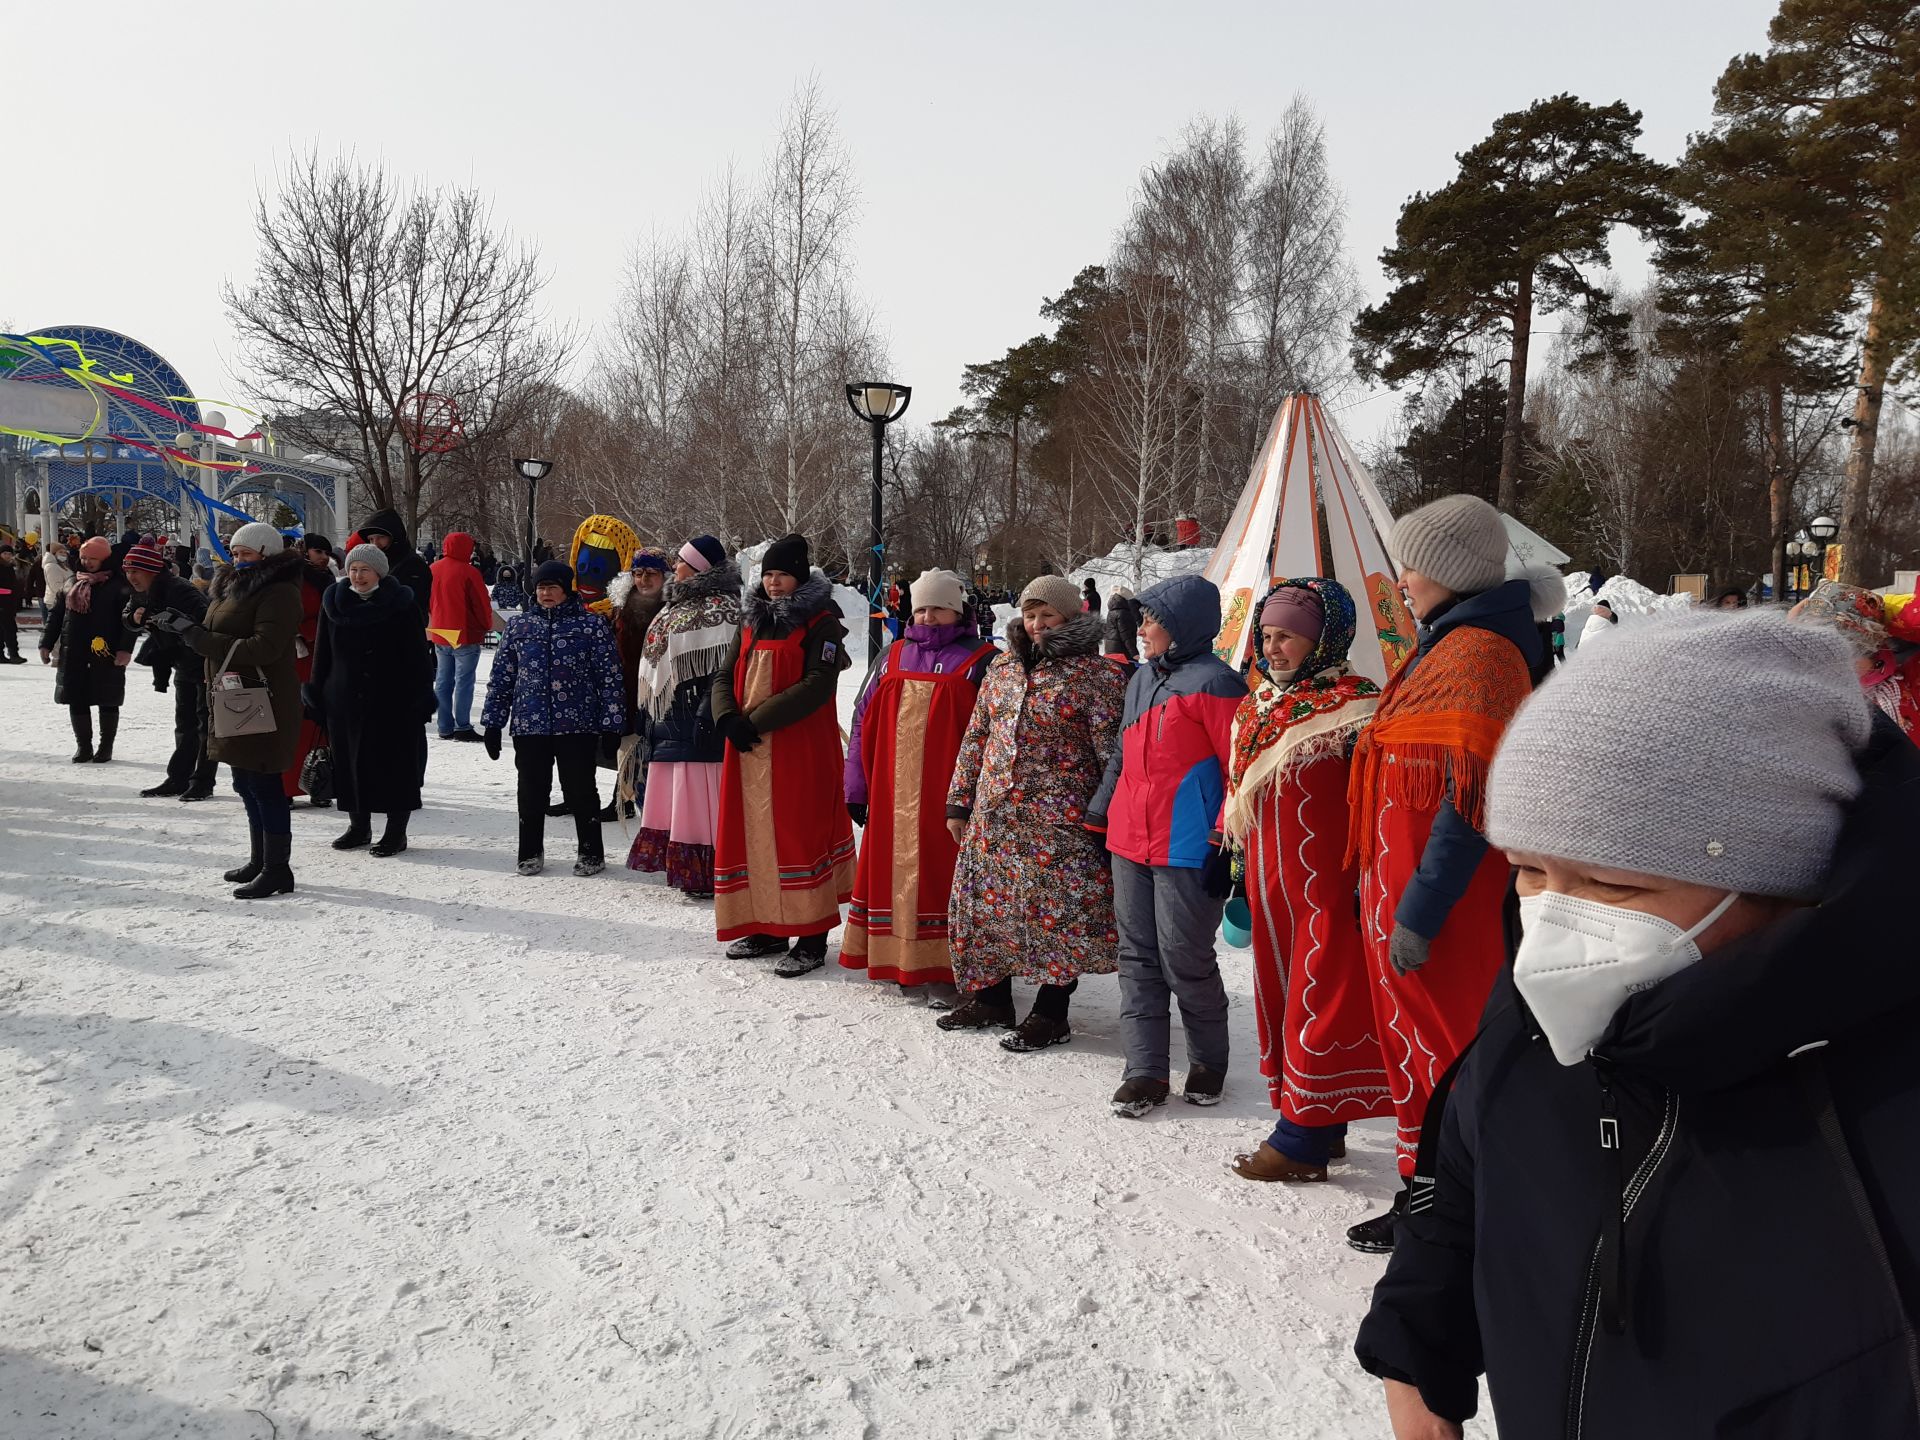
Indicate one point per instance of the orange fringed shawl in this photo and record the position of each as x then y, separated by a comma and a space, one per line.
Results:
1435, 732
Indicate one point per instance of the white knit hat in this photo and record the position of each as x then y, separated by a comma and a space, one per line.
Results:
258, 535
942, 588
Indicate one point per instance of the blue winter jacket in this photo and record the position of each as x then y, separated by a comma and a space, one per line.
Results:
557, 672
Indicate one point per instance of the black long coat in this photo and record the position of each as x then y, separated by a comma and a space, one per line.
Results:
86, 674
1761, 1115
369, 669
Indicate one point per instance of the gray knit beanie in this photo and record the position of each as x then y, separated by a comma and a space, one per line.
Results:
367, 555
1713, 747
1055, 590
1458, 541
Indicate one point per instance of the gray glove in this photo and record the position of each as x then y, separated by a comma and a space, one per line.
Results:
1407, 950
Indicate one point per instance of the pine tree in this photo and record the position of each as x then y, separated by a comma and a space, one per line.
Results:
1840, 85
1754, 281
1516, 231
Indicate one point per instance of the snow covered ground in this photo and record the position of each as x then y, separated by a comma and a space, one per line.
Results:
428, 1149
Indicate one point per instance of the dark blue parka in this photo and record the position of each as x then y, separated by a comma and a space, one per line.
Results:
556, 672
1737, 1253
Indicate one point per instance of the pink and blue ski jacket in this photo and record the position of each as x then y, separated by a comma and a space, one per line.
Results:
1160, 800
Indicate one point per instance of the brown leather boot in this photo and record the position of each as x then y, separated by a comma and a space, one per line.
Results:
1269, 1164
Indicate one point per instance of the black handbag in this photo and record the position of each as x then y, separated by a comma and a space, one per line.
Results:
316, 775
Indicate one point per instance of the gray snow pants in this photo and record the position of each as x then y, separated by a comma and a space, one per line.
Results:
1167, 923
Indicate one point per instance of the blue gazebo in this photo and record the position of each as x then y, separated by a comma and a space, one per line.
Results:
138, 432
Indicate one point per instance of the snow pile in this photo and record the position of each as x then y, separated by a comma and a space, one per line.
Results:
1138, 566
430, 1151
1628, 599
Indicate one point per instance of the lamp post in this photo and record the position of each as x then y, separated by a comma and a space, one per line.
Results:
1799, 551
879, 403
533, 472
1824, 528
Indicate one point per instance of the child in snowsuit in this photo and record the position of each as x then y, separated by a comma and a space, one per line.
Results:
556, 679
1160, 808
784, 852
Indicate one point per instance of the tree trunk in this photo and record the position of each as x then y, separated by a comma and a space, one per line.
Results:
1779, 482
1515, 429
1866, 435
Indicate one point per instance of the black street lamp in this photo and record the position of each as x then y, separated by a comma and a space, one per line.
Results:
1824, 528
879, 403
533, 472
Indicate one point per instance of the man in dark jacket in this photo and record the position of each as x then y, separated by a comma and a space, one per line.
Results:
156, 588
1667, 1196
385, 530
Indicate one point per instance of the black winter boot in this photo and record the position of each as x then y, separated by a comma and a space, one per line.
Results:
276, 875
394, 838
109, 727
1376, 1236
82, 719
358, 832
240, 874
809, 953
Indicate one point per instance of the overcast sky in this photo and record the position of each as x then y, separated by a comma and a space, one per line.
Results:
998, 141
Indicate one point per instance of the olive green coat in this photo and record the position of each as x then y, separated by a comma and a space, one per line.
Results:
260, 607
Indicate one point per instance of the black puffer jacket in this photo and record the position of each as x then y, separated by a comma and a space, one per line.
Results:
1766, 1106
159, 649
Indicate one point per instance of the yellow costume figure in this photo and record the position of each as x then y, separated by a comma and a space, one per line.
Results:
600, 550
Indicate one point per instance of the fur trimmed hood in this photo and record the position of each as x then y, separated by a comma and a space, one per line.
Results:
230, 580
774, 618
1079, 636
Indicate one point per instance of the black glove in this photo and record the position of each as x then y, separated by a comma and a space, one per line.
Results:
609, 747
633, 722
738, 731
1216, 876
492, 738
858, 810
310, 703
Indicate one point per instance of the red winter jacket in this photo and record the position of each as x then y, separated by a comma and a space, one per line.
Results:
459, 600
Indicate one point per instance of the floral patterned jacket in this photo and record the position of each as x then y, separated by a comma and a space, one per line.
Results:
557, 672
1045, 721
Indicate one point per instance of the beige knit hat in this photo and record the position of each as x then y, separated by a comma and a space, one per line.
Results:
1458, 541
1055, 590
942, 588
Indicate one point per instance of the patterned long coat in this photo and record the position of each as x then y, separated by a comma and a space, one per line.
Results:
1033, 888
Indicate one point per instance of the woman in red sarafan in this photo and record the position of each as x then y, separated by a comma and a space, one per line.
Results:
1432, 891
907, 730
1287, 811
783, 854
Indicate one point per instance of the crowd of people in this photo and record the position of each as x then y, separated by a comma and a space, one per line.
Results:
1478, 896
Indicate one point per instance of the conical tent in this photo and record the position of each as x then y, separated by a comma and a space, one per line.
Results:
1310, 508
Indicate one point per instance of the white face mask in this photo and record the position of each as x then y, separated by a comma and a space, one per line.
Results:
1579, 960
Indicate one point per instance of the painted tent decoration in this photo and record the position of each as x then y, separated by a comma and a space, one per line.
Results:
1310, 508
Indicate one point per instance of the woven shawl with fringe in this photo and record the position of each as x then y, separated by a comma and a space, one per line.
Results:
690, 637
1435, 732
